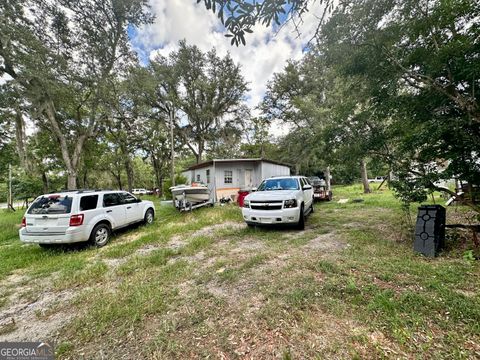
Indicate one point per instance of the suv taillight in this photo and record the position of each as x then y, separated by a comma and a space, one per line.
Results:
76, 220
24, 222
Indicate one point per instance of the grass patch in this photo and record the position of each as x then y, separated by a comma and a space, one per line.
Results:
242, 292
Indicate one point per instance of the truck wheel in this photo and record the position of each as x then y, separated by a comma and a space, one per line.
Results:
100, 235
301, 220
149, 216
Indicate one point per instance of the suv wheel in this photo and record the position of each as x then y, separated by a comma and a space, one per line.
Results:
149, 216
301, 219
100, 235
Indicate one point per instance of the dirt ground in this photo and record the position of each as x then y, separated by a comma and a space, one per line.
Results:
34, 310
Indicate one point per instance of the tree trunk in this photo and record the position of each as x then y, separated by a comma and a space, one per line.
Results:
201, 148
71, 162
297, 168
20, 141
118, 178
71, 180
327, 178
119, 181
390, 178
46, 184
363, 171
157, 169
129, 170
85, 180
160, 187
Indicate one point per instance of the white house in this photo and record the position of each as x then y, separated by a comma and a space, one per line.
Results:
225, 177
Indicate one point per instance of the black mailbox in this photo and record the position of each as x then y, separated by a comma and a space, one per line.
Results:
430, 230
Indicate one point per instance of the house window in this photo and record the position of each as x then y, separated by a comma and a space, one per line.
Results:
198, 177
208, 176
228, 177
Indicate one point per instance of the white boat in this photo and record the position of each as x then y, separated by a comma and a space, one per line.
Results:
187, 196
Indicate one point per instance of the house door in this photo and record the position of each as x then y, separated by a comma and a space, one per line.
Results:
248, 178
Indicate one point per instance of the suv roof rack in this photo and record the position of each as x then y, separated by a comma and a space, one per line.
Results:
78, 191
92, 190
62, 191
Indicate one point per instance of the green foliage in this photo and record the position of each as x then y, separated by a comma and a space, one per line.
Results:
239, 17
25, 185
259, 142
418, 82
389, 81
469, 256
60, 62
179, 179
214, 87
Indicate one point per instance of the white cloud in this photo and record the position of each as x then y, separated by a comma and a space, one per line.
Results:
264, 54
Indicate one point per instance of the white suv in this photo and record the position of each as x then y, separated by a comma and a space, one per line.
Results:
279, 200
82, 215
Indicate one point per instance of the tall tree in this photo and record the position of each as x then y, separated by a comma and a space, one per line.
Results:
417, 62
214, 90
156, 87
61, 55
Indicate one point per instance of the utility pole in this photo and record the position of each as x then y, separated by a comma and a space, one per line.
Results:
10, 197
172, 119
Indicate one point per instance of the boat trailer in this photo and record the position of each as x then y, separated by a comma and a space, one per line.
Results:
182, 205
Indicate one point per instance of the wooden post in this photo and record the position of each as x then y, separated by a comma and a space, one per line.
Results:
10, 194
363, 170
327, 178
172, 118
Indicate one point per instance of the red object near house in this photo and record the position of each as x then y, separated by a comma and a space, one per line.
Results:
241, 196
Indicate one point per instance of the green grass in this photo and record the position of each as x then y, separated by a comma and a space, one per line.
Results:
228, 289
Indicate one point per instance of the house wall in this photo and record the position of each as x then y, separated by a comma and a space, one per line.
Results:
200, 175
240, 178
269, 170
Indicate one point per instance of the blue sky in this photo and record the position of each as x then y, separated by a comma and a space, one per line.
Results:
266, 51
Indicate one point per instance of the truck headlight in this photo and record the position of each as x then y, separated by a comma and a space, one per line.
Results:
246, 203
290, 203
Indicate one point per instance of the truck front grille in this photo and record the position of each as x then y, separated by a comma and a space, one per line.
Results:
266, 205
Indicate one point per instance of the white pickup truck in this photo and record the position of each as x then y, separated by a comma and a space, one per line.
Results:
279, 200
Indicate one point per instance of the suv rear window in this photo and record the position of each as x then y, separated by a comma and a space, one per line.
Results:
51, 204
88, 202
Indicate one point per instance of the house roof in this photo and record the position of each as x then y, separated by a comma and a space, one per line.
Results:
211, 162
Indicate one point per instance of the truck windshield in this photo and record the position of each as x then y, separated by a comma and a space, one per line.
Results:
51, 204
278, 184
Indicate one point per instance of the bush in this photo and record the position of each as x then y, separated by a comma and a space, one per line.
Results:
167, 184
3, 192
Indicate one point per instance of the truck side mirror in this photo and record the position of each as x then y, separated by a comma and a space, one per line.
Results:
254, 189
307, 187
